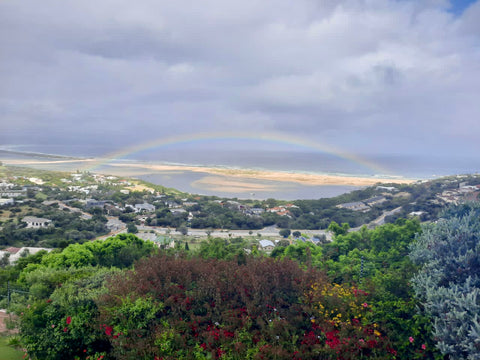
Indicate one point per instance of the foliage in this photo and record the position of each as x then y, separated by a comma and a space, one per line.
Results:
337, 229
119, 251
448, 284
285, 233
266, 309
376, 260
61, 326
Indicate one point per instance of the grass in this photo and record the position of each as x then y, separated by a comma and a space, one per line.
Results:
7, 352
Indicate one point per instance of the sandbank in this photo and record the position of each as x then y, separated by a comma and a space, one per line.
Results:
301, 178
224, 177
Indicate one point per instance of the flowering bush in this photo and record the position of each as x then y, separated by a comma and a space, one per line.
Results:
210, 309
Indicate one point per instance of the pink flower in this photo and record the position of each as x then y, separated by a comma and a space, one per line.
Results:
53, 326
365, 305
411, 339
69, 320
424, 346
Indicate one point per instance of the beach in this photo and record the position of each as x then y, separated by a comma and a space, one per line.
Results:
219, 181
302, 178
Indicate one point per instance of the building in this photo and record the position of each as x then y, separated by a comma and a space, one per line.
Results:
144, 207
15, 253
6, 202
114, 224
92, 203
375, 200
36, 223
354, 206
13, 193
266, 245
257, 211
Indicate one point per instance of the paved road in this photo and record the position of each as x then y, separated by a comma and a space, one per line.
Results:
270, 231
381, 219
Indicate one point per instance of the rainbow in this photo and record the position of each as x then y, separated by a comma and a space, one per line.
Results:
273, 138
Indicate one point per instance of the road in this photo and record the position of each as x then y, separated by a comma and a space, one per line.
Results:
269, 231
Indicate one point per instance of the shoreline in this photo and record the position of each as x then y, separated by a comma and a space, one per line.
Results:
272, 175
132, 169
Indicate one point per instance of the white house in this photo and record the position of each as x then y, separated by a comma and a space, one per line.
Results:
144, 207
266, 245
6, 201
15, 253
36, 223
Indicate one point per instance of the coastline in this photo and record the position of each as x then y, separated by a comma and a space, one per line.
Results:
270, 175
221, 176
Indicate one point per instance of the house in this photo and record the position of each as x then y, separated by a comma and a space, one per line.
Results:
354, 206
144, 207
387, 188
92, 203
281, 210
257, 211
172, 204
147, 236
416, 213
13, 193
5, 185
178, 211
6, 202
190, 203
266, 245
16, 253
113, 224
36, 223
375, 200
36, 181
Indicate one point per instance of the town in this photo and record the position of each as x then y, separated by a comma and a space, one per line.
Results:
46, 210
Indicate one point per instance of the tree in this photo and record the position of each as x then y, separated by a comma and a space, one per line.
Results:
448, 284
182, 230
337, 229
132, 229
296, 234
285, 233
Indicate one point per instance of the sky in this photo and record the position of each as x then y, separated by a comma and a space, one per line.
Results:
364, 76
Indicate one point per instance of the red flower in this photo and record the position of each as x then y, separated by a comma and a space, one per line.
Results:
69, 320
108, 330
65, 329
203, 346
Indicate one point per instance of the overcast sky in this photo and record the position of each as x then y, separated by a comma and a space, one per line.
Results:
367, 76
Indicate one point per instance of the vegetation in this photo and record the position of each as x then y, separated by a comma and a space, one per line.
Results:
448, 284
374, 293
8, 352
304, 301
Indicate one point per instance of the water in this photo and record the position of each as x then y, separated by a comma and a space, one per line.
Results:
281, 190
259, 158
410, 166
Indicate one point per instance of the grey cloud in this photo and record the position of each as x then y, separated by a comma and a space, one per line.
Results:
364, 75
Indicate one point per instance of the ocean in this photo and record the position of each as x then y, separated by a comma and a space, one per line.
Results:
423, 166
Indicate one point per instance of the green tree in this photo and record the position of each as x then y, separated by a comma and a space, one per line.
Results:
285, 233
337, 229
132, 229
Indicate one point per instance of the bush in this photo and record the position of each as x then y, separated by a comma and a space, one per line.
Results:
449, 283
